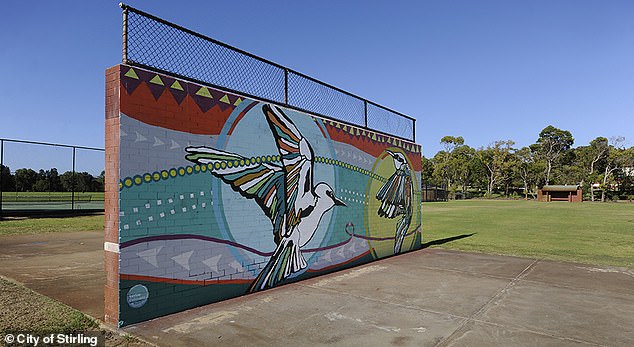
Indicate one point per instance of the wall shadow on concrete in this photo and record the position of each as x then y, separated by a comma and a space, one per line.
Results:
445, 240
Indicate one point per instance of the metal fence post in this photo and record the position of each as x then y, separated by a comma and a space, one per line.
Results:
1, 173
72, 189
286, 87
365, 113
125, 34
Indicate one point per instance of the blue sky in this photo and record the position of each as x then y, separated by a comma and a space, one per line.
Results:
484, 70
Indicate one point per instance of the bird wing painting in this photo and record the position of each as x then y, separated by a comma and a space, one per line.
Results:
286, 193
396, 198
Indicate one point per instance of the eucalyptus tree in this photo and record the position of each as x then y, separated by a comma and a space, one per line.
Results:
447, 168
527, 169
496, 159
592, 159
552, 145
427, 171
619, 158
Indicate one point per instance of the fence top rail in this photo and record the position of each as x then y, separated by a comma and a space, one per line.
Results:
391, 110
287, 70
126, 7
51, 144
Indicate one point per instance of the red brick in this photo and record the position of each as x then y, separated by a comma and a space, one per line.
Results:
111, 196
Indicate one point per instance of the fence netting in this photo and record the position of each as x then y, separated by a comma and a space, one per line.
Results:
315, 97
37, 177
161, 46
389, 122
154, 43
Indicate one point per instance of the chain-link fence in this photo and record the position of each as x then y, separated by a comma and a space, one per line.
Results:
40, 177
391, 122
315, 97
153, 43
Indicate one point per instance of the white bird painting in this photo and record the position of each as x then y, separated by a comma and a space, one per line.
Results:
396, 198
286, 193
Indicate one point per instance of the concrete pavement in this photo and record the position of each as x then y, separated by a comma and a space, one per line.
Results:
431, 297
65, 266
425, 298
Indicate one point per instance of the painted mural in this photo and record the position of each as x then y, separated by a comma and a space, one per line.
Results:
221, 195
396, 198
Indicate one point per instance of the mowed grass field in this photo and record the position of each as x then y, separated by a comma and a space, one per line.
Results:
20, 226
52, 201
593, 233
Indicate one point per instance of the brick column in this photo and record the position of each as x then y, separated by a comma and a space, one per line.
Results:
111, 199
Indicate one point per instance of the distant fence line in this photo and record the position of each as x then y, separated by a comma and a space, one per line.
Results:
41, 201
154, 43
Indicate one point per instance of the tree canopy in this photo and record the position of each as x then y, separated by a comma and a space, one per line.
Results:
604, 167
29, 180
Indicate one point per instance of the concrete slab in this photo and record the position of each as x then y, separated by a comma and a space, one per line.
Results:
482, 334
479, 264
457, 293
592, 316
431, 297
589, 277
300, 315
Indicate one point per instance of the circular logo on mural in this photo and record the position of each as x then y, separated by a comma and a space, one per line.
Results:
137, 296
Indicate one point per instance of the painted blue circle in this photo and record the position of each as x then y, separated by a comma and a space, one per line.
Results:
137, 296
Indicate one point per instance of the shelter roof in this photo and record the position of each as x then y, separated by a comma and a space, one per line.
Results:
560, 188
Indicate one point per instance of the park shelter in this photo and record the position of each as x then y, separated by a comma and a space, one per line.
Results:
570, 193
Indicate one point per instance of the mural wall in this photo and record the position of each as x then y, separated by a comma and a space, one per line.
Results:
221, 195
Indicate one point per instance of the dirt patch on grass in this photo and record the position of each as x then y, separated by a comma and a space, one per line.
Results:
23, 310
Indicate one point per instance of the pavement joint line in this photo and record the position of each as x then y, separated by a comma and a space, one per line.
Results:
417, 308
518, 281
522, 279
463, 319
474, 273
445, 341
479, 274
504, 291
479, 311
428, 268
563, 286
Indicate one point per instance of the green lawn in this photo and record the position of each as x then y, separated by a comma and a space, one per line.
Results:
46, 225
594, 233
